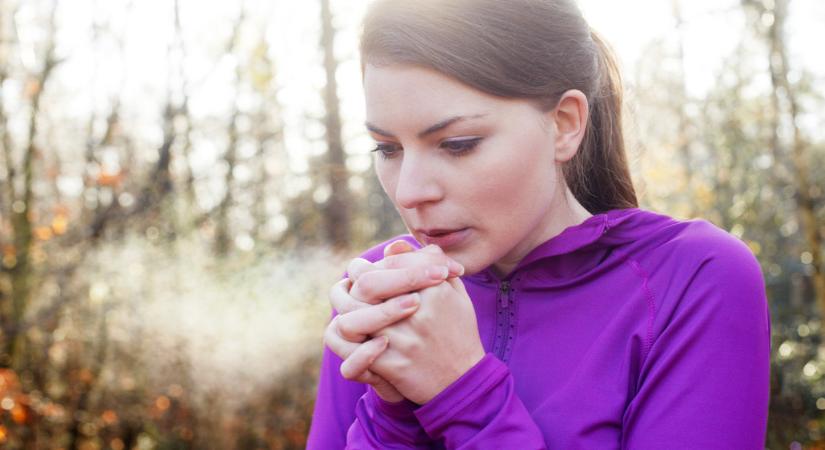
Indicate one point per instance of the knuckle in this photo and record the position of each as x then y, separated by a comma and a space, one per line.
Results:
392, 262
413, 347
410, 279
388, 311
328, 335
357, 267
336, 295
366, 377
345, 330
397, 365
346, 371
363, 288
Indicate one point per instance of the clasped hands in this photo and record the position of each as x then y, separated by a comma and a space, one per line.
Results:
405, 324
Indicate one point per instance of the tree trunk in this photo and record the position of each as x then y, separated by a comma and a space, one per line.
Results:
784, 93
223, 240
22, 210
683, 133
336, 210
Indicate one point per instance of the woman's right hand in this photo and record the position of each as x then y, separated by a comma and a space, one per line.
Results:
363, 311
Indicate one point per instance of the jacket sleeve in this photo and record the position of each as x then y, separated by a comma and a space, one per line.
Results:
705, 381
481, 410
334, 405
383, 425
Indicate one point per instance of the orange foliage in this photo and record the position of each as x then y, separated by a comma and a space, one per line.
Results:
85, 375
162, 403
52, 410
110, 179
16, 402
9, 251
109, 417
60, 224
60, 209
19, 414
32, 87
9, 383
43, 233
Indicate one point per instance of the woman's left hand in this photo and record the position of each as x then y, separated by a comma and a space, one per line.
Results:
433, 347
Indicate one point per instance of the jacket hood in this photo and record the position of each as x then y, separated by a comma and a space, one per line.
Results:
579, 249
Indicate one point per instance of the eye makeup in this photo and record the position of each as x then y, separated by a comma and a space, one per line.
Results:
460, 147
453, 147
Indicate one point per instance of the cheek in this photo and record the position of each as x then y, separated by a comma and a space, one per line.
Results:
387, 177
518, 179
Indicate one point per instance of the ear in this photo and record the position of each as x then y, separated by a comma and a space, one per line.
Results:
570, 120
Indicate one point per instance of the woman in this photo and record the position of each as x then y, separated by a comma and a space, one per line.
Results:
533, 305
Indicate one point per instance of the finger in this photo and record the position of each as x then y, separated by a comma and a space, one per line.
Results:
458, 285
341, 300
456, 269
359, 266
434, 249
428, 256
376, 286
398, 247
382, 387
355, 326
336, 343
362, 357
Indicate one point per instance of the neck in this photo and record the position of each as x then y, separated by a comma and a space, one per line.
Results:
565, 212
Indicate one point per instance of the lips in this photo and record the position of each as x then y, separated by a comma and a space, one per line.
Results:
443, 238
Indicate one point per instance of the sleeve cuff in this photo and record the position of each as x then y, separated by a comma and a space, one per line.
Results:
402, 411
482, 378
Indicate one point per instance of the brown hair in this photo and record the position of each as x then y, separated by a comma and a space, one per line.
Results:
532, 49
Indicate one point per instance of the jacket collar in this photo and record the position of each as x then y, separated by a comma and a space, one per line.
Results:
579, 248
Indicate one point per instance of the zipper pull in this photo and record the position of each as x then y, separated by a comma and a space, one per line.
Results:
505, 293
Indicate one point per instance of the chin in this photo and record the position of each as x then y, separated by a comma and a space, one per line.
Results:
472, 263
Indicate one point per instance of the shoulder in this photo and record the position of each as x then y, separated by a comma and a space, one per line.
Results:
697, 270
376, 252
702, 246
679, 247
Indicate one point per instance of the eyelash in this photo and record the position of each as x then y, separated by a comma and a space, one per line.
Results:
456, 148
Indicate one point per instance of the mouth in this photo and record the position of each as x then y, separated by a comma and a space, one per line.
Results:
444, 238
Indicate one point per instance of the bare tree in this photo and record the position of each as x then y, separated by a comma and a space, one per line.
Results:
222, 234
771, 20
683, 131
336, 210
23, 203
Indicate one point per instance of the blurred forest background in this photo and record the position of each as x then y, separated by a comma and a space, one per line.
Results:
181, 181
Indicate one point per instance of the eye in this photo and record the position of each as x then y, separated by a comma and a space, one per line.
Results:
460, 147
387, 150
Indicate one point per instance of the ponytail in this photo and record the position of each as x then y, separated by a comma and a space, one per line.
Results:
598, 176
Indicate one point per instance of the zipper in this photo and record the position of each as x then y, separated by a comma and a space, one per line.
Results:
505, 293
503, 322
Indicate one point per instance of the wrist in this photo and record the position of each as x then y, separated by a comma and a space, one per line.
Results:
451, 376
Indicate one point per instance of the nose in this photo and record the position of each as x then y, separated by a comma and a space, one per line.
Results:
418, 181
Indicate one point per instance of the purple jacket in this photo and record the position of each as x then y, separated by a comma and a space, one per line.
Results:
631, 330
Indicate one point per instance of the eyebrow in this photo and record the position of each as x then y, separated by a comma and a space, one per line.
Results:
432, 129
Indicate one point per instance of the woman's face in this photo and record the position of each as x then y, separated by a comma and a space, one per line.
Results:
473, 173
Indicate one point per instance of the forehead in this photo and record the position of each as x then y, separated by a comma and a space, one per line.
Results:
399, 90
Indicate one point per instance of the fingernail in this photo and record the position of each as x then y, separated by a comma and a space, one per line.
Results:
455, 268
409, 302
396, 247
438, 272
